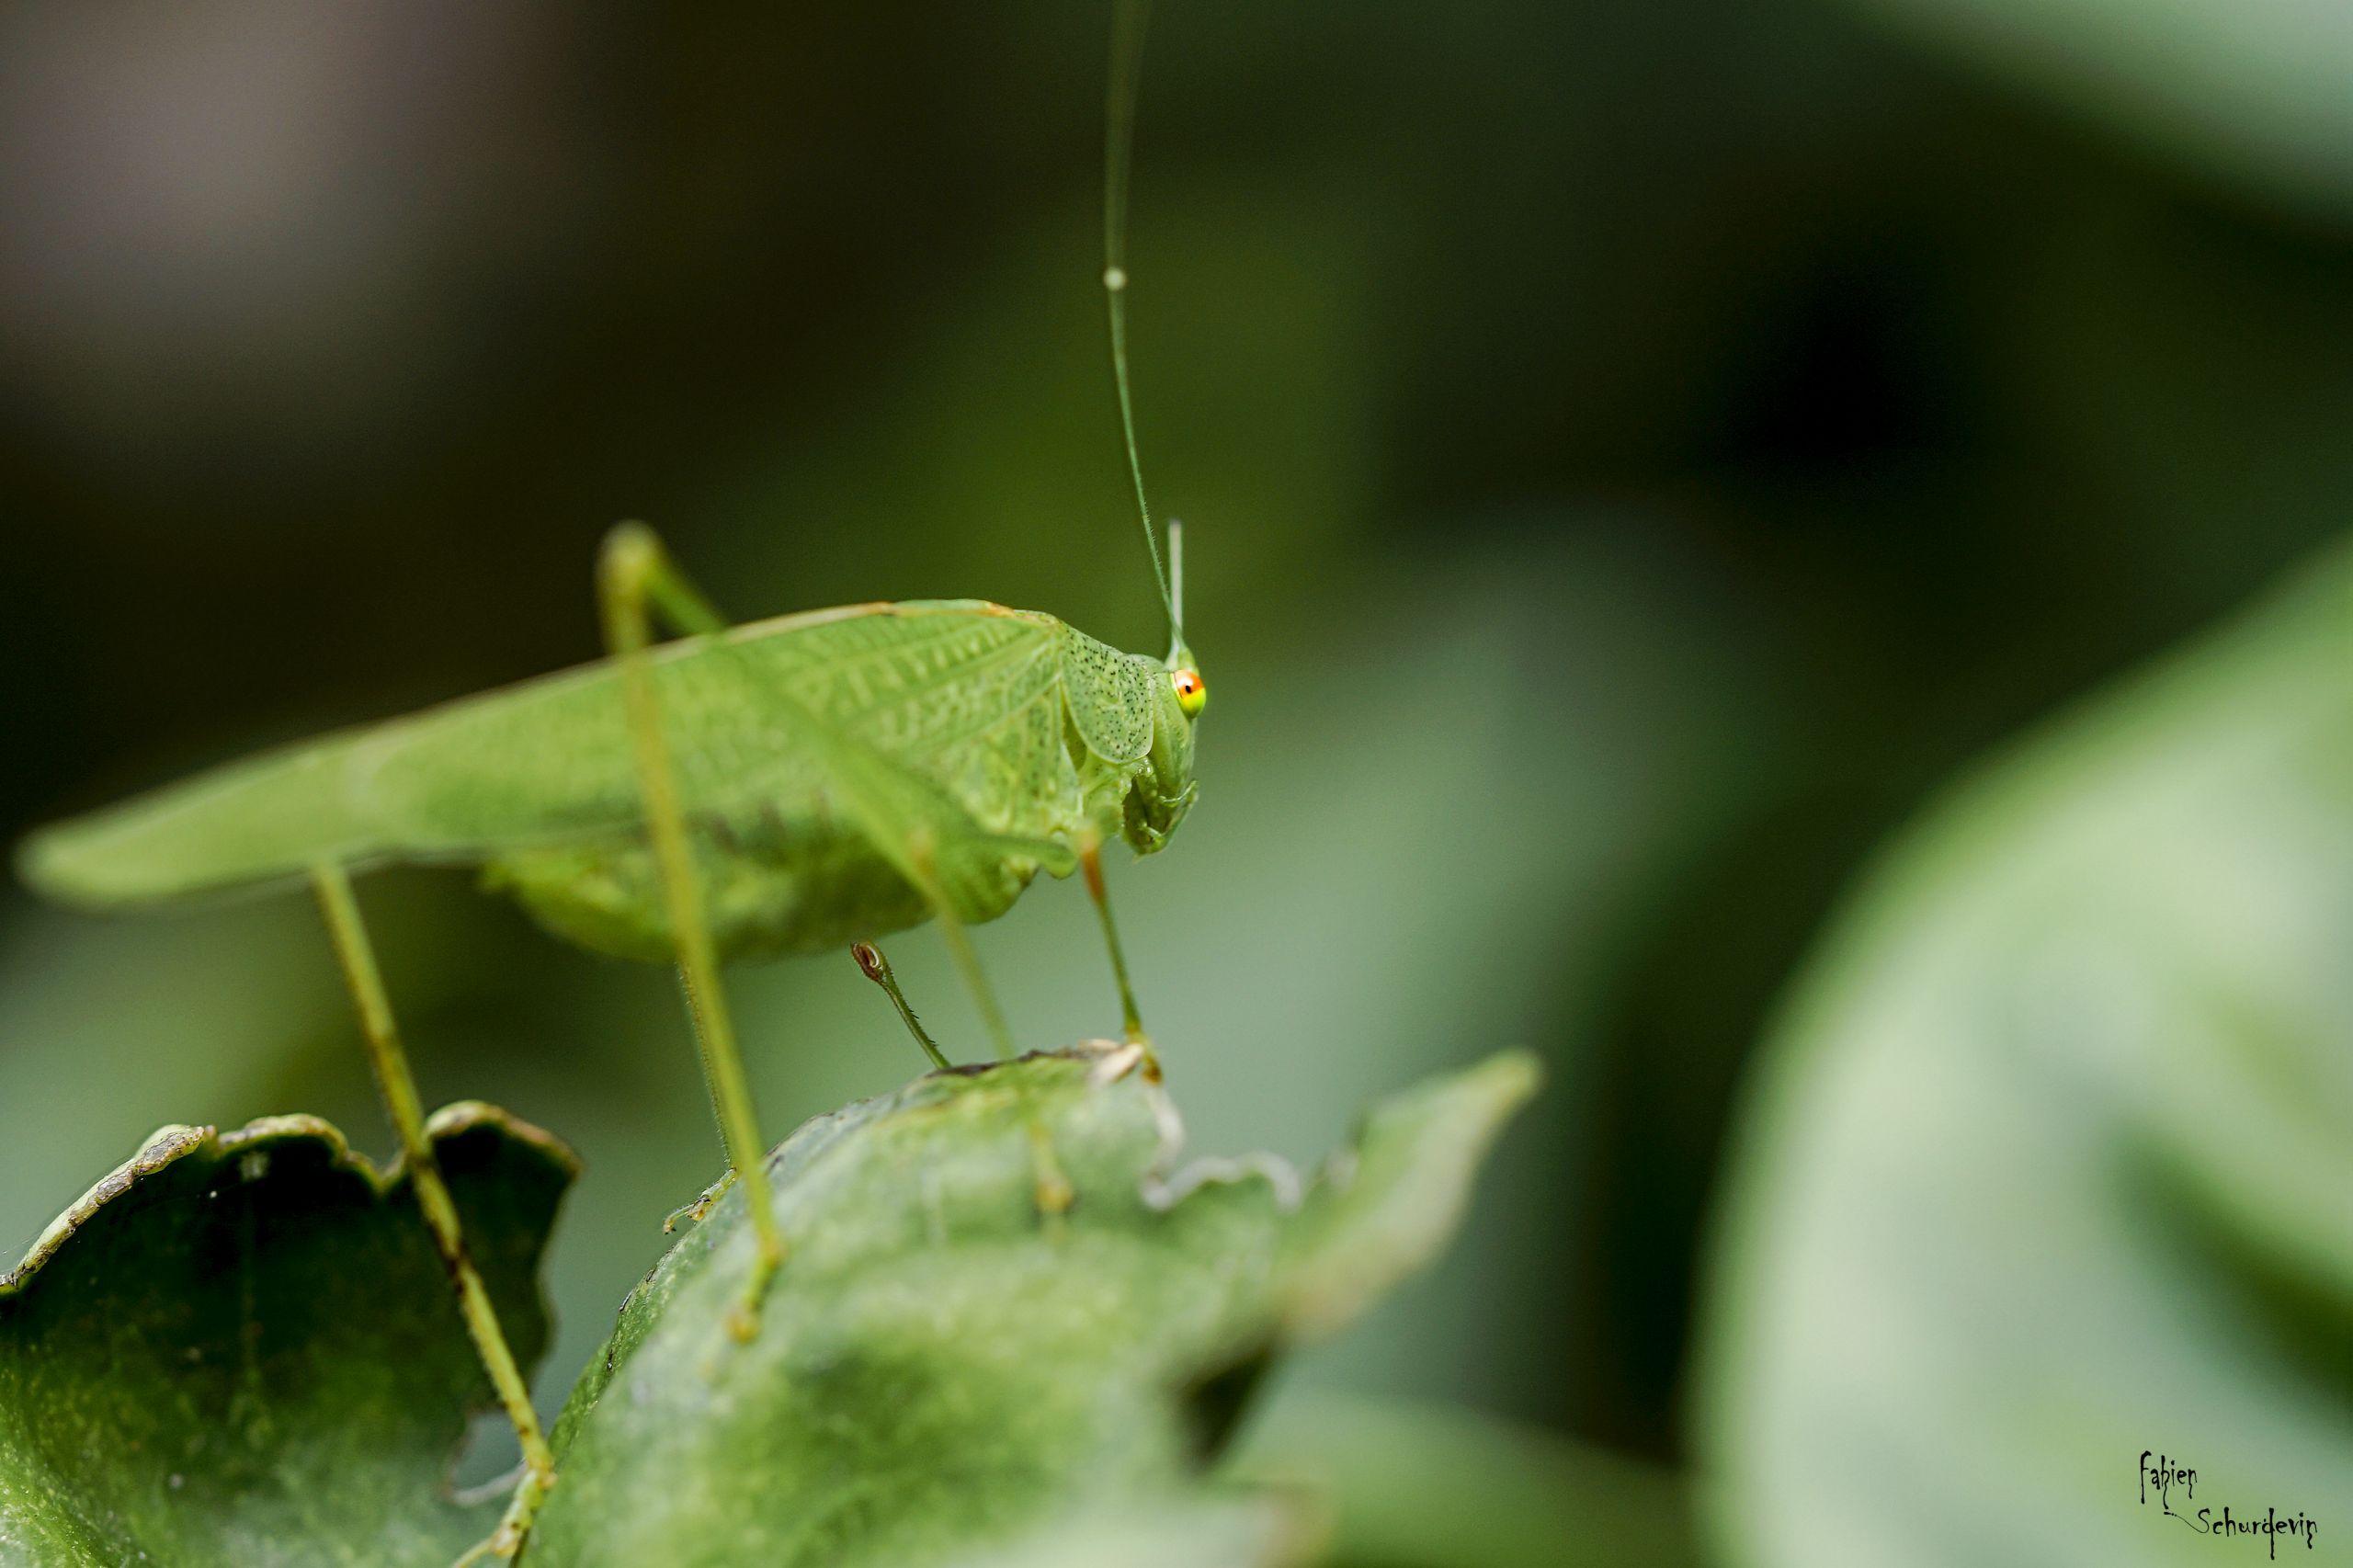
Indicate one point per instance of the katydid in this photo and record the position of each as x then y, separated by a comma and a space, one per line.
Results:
812, 781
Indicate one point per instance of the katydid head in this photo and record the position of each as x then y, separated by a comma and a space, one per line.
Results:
1173, 754
1184, 670
1161, 795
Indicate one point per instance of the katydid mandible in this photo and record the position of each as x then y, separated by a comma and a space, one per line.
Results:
811, 781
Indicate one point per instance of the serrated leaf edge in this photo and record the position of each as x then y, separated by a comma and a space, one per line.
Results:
1488, 1096
174, 1141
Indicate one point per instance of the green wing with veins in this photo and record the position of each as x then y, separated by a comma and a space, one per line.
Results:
966, 696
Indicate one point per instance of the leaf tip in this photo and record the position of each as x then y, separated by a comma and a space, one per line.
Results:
1387, 1205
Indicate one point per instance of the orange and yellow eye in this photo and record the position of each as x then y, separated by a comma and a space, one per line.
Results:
1192, 691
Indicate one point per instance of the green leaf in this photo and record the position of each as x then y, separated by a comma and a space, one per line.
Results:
241, 1349
1204, 1531
1387, 1205
1411, 1483
2260, 95
2051, 1166
1000, 1311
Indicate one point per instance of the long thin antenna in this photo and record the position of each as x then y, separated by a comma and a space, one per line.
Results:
1119, 146
1177, 572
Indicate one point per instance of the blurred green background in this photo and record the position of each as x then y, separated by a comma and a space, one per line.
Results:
1632, 452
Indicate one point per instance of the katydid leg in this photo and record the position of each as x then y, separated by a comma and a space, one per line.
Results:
960, 946
389, 1061
1090, 860
636, 581
1051, 1189
927, 837
876, 968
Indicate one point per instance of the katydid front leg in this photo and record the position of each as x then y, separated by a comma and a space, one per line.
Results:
389, 1061
1090, 860
635, 580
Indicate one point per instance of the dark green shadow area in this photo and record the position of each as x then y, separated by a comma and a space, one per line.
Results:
241, 1349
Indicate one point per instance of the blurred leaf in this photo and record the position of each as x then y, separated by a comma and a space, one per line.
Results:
1386, 1206
2257, 95
241, 1349
947, 1360
1207, 1531
1414, 1485
2050, 1163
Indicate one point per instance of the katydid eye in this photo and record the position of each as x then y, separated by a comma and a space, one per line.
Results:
1192, 691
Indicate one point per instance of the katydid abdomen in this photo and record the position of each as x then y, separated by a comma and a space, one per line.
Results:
767, 887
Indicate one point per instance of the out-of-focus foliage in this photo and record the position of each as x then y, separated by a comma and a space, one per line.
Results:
240, 1350
2257, 93
1435, 1486
1632, 450
1213, 1532
1002, 1307
2050, 1164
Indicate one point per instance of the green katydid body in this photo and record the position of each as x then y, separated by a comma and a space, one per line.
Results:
792, 785
1001, 739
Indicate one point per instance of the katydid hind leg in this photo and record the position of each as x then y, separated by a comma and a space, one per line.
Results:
636, 581
388, 1059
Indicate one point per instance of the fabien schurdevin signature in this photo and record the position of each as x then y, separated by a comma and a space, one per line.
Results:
2161, 1477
